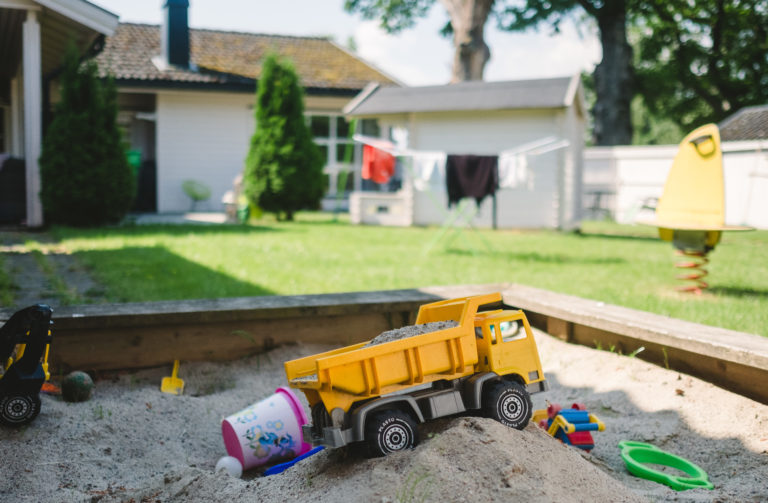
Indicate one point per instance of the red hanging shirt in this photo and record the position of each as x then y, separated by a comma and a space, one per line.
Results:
378, 165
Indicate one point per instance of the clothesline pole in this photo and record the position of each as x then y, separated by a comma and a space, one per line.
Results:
447, 226
495, 223
464, 213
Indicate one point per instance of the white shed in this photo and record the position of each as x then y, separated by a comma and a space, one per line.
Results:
540, 121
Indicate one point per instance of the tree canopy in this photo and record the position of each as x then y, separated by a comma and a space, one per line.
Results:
699, 62
613, 77
689, 62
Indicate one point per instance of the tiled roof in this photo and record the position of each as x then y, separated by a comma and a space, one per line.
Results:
750, 123
230, 58
474, 95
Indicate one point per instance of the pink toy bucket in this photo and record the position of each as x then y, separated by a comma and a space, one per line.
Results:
267, 432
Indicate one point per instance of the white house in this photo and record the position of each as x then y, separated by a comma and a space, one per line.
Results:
624, 182
540, 121
33, 37
186, 100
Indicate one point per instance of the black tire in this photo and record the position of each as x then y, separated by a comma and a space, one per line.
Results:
17, 410
508, 403
390, 431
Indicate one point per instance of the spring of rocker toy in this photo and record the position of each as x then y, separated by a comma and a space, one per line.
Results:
696, 271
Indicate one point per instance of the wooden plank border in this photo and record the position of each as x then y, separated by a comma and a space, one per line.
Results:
733, 360
149, 334
136, 335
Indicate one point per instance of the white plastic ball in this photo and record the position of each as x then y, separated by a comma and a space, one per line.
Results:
231, 465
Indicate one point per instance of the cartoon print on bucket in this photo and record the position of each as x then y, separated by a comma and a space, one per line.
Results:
266, 432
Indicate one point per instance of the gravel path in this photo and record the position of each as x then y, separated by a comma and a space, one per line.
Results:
33, 284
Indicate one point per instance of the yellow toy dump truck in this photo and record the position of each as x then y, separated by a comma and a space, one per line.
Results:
376, 393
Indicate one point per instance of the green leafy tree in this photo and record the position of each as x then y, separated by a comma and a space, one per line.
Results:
651, 129
284, 168
698, 62
85, 176
613, 76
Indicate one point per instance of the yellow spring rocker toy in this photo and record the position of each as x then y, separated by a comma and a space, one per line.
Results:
691, 211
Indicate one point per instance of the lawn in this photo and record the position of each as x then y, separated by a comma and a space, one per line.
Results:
624, 265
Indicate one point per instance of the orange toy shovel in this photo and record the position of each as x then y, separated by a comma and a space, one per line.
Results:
173, 384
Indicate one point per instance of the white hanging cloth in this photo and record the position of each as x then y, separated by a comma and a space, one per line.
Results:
428, 170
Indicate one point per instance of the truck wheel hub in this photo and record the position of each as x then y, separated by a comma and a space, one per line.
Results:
511, 406
395, 438
17, 408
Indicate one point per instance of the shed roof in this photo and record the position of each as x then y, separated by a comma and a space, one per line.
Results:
226, 59
475, 95
750, 123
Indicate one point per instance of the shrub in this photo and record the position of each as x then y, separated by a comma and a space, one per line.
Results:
85, 176
284, 168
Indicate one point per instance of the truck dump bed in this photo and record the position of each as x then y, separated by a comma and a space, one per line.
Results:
346, 375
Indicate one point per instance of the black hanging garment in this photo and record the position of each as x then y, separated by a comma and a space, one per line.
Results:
471, 176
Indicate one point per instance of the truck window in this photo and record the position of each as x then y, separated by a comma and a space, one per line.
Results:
492, 328
511, 331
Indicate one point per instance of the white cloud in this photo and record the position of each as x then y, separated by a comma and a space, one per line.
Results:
411, 56
538, 54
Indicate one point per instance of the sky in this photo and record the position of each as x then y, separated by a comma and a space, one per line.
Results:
417, 56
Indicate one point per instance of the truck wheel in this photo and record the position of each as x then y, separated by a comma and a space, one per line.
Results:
390, 431
508, 403
16, 410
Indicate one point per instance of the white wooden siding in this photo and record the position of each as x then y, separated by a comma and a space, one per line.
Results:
482, 133
204, 137
489, 133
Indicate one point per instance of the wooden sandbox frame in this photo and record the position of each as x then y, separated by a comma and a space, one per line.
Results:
135, 335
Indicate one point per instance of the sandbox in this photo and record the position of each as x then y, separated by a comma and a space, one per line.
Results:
130, 442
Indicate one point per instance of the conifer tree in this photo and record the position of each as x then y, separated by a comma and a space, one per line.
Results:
284, 168
85, 176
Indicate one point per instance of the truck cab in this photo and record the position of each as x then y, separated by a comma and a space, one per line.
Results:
505, 346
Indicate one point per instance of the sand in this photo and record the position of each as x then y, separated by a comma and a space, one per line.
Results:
131, 442
410, 331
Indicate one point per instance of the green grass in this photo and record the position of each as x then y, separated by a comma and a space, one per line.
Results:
7, 287
624, 265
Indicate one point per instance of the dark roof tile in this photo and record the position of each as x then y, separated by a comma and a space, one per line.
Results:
750, 123
222, 57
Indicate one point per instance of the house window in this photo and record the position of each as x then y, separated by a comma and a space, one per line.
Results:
342, 127
332, 134
370, 127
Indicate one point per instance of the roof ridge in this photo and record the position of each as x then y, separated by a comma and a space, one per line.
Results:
470, 83
238, 32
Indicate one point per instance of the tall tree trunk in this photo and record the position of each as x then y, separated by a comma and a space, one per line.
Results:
468, 19
613, 77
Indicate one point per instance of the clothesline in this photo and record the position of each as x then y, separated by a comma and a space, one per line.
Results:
513, 168
390, 148
536, 147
